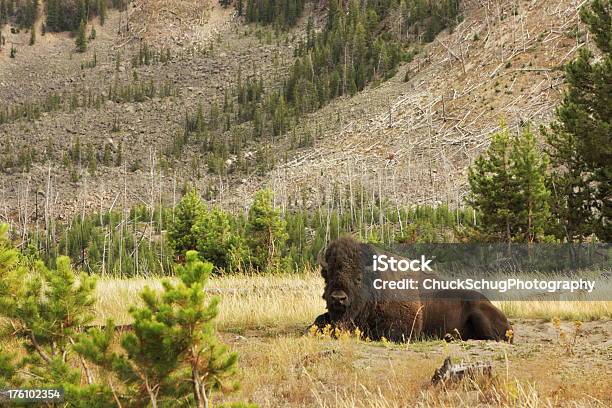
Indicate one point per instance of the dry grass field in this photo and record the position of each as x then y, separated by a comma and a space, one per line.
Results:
555, 361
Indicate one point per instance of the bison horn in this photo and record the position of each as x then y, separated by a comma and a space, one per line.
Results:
321, 258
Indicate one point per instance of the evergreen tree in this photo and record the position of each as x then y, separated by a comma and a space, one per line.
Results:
572, 197
185, 215
581, 139
9, 272
218, 241
107, 156
92, 161
45, 309
492, 189
53, 18
4, 15
265, 233
102, 10
32, 35
81, 38
173, 356
529, 173
508, 189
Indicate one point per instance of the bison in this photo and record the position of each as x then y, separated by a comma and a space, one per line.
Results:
352, 303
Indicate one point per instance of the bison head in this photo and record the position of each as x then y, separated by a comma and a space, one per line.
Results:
344, 269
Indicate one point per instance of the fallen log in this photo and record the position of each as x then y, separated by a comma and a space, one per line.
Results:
449, 372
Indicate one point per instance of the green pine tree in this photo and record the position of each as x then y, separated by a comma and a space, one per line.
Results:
81, 38
218, 241
529, 173
572, 196
185, 215
508, 188
581, 139
265, 233
32, 35
493, 192
44, 310
173, 356
52, 15
102, 10
92, 161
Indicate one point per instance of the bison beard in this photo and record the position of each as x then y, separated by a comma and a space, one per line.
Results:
353, 303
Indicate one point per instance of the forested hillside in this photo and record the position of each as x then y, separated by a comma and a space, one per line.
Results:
351, 114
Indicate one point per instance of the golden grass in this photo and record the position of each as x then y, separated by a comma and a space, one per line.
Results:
309, 371
263, 318
246, 301
566, 310
295, 300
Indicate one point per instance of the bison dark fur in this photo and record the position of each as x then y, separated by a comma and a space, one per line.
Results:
352, 302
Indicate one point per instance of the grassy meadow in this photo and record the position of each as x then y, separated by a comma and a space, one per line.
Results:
555, 361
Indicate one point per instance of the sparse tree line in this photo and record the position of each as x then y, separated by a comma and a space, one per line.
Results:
224, 130
136, 90
279, 12
61, 15
79, 157
145, 241
172, 357
113, 243
148, 55
21, 157
353, 51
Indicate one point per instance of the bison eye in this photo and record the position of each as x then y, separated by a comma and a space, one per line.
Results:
358, 280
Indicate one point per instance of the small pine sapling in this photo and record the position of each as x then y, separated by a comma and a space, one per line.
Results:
44, 310
173, 356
